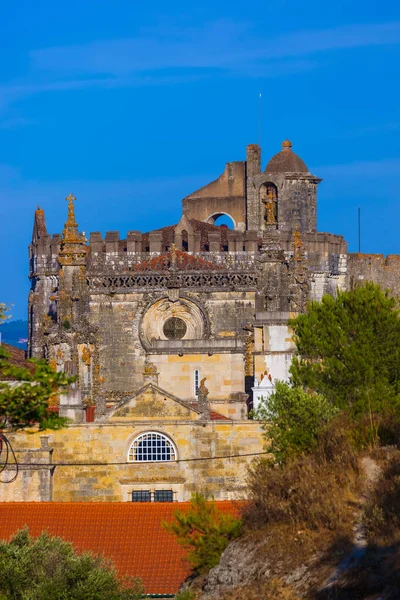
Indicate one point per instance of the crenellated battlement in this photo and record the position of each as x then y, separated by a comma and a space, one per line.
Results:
383, 270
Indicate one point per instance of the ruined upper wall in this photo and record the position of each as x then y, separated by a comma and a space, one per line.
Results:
230, 183
225, 195
385, 271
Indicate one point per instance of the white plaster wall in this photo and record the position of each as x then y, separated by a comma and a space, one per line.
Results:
280, 339
278, 365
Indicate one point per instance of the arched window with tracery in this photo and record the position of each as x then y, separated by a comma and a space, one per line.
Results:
152, 446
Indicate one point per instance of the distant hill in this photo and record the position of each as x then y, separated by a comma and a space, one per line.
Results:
15, 333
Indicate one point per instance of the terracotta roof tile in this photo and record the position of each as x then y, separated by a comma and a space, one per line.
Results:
130, 534
214, 416
16, 358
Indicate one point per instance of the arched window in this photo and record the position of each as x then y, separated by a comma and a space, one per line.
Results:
152, 447
185, 241
196, 381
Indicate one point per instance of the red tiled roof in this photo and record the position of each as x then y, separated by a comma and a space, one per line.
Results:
130, 534
214, 416
165, 261
16, 357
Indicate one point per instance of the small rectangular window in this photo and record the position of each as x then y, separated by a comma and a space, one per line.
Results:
163, 496
196, 382
141, 496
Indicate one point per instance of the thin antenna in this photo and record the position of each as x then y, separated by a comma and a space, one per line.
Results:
259, 119
359, 229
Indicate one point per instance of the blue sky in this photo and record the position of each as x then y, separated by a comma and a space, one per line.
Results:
133, 105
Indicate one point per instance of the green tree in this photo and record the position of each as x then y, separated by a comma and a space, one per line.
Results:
48, 568
24, 400
293, 420
205, 531
3, 312
348, 350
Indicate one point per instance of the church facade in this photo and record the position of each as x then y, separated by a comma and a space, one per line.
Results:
173, 335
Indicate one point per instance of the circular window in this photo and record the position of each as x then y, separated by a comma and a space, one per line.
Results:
174, 328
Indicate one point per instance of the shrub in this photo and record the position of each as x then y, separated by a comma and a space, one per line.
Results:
49, 569
381, 516
184, 595
310, 490
205, 531
294, 418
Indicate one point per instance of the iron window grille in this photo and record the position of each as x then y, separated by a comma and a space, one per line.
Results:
163, 496
141, 496
152, 447
155, 496
196, 382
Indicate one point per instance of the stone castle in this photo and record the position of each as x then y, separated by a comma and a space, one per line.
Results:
175, 334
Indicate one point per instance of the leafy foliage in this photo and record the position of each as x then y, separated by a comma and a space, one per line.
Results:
205, 530
25, 402
349, 350
49, 569
293, 419
3, 313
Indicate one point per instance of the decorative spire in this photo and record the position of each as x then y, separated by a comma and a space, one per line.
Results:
150, 373
73, 248
297, 244
71, 211
70, 231
174, 256
287, 145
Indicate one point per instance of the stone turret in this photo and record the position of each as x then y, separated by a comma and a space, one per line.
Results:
295, 188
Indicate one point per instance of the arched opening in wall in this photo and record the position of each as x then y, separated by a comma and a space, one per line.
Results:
222, 220
185, 241
269, 199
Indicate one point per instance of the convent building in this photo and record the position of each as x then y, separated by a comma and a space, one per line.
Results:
174, 335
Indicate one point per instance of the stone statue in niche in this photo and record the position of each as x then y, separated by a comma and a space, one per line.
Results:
269, 199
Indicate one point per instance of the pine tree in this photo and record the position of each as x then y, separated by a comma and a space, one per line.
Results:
348, 350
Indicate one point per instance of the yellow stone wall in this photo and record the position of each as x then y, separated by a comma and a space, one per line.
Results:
196, 442
224, 373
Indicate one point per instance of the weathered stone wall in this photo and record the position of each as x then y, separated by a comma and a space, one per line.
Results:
120, 320
382, 270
